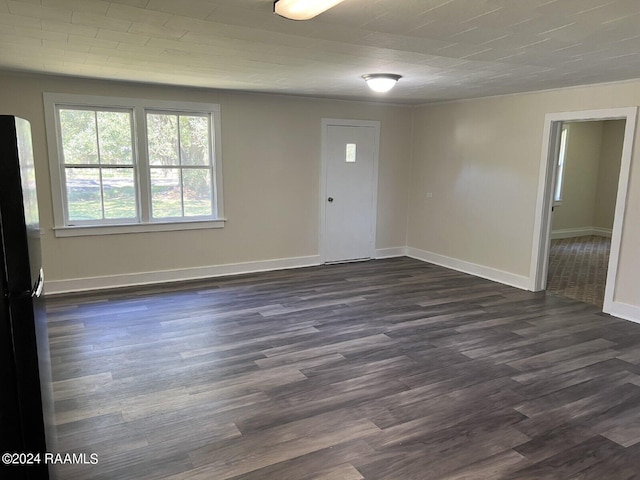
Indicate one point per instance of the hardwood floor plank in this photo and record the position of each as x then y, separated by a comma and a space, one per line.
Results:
497, 466
571, 461
342, 472
626, 433
561, 354
278, 444
331, 461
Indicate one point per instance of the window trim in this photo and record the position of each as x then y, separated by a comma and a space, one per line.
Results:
558, 186
62, 169
139, 108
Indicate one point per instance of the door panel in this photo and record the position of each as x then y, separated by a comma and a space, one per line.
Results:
349, 209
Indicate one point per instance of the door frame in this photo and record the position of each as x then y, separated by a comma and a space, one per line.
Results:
546, 184
326, 123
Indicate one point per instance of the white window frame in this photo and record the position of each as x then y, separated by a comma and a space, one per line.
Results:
561, 165
139, 108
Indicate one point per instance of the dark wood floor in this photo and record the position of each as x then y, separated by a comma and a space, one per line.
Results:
578, 268
390, 369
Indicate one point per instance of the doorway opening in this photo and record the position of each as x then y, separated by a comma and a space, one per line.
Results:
581, 202
584, 199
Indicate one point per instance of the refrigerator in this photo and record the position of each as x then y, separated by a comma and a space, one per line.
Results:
26, 393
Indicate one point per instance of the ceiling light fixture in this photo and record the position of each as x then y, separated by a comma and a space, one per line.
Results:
302, 9
381, 82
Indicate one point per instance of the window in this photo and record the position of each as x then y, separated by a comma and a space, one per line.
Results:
180, 165
98, 165
562, 154
121, 165
351, 153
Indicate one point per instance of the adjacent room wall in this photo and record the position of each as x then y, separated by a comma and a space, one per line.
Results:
608, 173
576, 212
592, 169
480, 159
271, 168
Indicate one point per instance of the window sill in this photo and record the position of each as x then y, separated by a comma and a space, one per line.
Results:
85, 230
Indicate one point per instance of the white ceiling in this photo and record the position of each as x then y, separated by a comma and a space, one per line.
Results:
445, 49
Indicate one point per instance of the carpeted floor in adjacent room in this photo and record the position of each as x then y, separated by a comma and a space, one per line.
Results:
578, 268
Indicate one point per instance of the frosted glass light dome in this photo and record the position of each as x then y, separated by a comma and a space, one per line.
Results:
381, 82
303, 9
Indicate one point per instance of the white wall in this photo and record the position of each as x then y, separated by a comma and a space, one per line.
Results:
271, 168
582, 161
591, 172
608, 173
481, 160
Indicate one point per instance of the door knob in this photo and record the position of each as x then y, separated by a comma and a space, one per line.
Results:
330, 199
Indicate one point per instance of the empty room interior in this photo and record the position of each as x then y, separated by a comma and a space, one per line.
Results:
584, 208
257, 264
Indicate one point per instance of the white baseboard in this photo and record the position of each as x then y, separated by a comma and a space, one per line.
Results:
489, 273
624, 311
391, 252
56, 287
580, 232
603, 232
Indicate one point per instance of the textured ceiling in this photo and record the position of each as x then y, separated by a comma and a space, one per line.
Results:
445, 49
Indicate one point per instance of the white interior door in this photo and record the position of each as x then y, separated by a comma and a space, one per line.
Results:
350, 161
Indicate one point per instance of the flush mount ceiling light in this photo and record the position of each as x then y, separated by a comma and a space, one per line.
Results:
302, 9
381, 82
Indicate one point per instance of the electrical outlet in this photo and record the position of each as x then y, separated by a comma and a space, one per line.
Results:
429, 195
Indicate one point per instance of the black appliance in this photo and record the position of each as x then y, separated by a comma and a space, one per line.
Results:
26, 394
